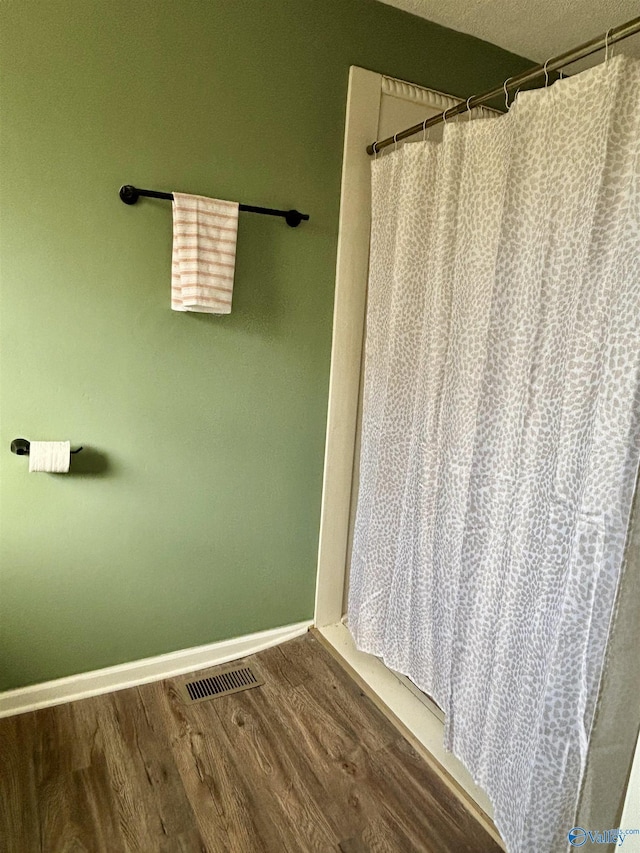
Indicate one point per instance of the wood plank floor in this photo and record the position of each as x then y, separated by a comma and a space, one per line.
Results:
303, 763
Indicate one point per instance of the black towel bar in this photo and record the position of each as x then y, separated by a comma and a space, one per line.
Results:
130, 195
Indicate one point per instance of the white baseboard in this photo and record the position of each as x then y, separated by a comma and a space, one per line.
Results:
137, 672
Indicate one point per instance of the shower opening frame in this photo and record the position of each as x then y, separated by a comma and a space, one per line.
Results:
376, 104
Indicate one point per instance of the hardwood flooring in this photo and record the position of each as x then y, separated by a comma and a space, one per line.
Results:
303, 763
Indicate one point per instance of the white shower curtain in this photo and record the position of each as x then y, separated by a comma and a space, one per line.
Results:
501, 430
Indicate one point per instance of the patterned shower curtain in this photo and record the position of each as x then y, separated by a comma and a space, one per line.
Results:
501, 430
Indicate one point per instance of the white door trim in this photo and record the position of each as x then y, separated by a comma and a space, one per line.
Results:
363, 106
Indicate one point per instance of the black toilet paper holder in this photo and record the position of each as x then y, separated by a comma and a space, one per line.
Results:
21, 447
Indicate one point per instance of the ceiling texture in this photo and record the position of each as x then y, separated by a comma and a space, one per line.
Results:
536, 29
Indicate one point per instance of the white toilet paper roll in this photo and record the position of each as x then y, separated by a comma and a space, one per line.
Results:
51, 456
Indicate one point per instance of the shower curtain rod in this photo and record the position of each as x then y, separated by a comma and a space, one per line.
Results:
612, 36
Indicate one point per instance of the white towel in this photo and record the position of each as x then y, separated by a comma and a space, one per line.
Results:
204, 253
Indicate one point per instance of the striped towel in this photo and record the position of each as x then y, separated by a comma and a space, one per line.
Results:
204, 253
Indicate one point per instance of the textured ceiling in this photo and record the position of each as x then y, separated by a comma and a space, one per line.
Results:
536, 29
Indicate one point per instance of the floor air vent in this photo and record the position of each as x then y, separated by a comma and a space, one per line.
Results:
222, 683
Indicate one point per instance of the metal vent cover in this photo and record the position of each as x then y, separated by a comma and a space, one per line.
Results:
225, 680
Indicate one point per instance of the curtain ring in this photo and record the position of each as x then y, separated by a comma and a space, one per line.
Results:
506, 93
468, 108
546, 73
444, 115
375, 150
395, 141
424, 130
606, 44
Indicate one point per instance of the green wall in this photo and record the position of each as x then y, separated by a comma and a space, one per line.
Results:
193, 514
